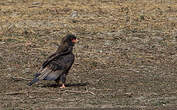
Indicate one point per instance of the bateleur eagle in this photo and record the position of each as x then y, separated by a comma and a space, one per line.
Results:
57, 65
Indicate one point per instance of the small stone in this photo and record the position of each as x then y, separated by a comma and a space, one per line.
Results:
100, 51
74, 14
27, 70
107, 106
107, 43
172, 18
35, 3
2, 42
10, 69
129, 94
158, 38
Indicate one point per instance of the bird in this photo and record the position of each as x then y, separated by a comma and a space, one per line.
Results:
58, 64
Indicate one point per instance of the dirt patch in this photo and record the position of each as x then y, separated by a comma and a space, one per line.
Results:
126, 55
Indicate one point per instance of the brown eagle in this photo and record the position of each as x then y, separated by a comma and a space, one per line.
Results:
57, 65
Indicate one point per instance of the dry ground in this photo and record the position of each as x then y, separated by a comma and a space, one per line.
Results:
126, 57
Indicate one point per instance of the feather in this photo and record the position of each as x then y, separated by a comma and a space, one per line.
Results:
33, 81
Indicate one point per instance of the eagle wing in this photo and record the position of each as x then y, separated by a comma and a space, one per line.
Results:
56, 67
55, 56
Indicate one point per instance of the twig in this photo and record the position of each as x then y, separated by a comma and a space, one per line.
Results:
91, 93
103, 89
25, 92
20, 78
15, 93
85, 92
78, 101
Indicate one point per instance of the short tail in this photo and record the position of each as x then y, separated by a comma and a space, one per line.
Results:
36, 75
33, 81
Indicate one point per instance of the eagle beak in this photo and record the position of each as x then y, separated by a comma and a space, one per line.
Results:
75, 40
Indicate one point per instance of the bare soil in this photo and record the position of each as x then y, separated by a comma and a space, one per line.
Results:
126, 56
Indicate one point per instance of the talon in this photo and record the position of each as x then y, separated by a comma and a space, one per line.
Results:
63, 86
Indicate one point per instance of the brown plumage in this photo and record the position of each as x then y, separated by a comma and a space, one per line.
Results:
57, 66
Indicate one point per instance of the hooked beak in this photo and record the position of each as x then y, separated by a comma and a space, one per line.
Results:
75, 40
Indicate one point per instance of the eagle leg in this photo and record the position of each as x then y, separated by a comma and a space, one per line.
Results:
63, 86
63, 80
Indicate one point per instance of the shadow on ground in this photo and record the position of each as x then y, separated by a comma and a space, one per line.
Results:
67, 85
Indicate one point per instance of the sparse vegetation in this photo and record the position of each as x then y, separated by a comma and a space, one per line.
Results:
126, 56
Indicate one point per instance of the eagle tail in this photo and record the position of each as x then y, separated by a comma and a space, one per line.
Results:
33, 81
36, 75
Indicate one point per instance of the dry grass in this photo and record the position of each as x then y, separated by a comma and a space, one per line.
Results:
126, 56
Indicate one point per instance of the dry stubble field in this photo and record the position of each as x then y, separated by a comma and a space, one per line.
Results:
126, 56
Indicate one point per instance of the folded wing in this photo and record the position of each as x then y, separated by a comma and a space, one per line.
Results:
54, 67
